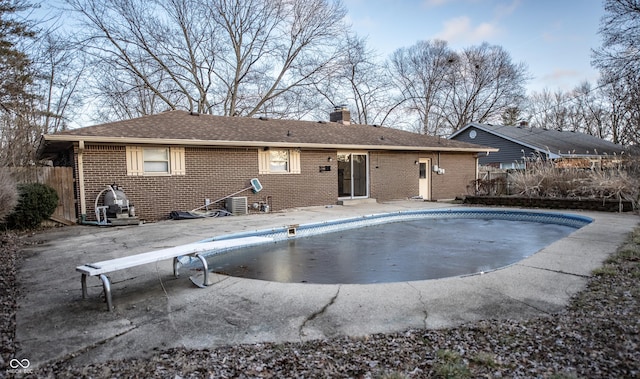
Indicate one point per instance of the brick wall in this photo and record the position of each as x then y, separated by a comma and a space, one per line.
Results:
214, 173
310, 187
210, 173
393, 175
460, 171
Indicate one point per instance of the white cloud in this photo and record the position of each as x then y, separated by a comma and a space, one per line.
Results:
565, 79
460, 29
505, 10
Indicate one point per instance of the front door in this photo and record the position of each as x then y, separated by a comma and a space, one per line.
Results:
353, 175
424, 185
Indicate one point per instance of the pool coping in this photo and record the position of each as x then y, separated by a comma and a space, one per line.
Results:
155, 311
311, 229
297, 231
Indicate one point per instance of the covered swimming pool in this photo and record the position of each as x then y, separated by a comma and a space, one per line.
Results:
393, 247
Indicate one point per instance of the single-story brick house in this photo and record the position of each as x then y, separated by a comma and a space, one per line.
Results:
176, 159
517, 144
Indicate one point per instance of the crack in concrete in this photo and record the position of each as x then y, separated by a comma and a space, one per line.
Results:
84, 350
556, 271
424, 304
318, 313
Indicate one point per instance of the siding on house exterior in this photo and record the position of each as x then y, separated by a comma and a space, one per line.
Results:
510, 152
514, 142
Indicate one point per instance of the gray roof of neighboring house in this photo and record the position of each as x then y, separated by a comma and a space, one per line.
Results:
184, 128
554, 142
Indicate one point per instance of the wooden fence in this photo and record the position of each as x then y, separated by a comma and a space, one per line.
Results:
60, 179
492, 183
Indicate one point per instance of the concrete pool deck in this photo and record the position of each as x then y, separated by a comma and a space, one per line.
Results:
155, 311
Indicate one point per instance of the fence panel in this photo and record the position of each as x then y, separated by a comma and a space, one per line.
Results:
60, 179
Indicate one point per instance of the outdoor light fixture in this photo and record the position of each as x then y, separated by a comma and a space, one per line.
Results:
329, 159
416, 162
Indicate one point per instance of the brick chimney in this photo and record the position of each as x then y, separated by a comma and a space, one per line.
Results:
340, 115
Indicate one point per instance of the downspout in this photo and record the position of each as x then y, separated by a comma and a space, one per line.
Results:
477, 174
83, 201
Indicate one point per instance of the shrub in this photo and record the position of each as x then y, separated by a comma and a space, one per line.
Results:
37, 203
619, 180
8, 194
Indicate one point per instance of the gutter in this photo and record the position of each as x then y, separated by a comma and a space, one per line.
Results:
222, 143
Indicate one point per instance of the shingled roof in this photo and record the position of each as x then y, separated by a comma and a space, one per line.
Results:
184, 128
553, 142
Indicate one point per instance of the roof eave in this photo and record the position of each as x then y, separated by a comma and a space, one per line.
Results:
226, 143
541, 149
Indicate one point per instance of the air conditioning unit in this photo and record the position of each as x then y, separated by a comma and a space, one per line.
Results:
237, 205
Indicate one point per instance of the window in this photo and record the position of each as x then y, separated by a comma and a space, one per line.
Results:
155, 160
279, 161
423, 170
518, 165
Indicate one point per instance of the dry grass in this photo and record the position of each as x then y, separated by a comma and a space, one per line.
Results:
620, 181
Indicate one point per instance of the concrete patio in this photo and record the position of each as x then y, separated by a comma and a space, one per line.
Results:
154, 310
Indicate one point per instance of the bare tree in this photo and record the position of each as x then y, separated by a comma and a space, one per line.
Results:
61, 70
447, 90
548, 109
511, 116
422, 75
610, 110
56, 71
230, 57
357, 80
619, 62
614, 103
486, 84
597, 111
589, 114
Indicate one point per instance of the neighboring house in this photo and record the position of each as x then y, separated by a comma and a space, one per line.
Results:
175, 160
516, 144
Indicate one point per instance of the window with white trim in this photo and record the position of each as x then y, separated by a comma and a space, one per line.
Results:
155, 160
279, 161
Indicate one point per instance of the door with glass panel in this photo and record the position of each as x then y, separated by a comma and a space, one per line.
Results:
424, 183
353, 175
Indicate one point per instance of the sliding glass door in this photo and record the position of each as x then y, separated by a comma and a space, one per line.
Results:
353, 175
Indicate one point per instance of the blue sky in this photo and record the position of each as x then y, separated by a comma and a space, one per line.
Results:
553, 37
